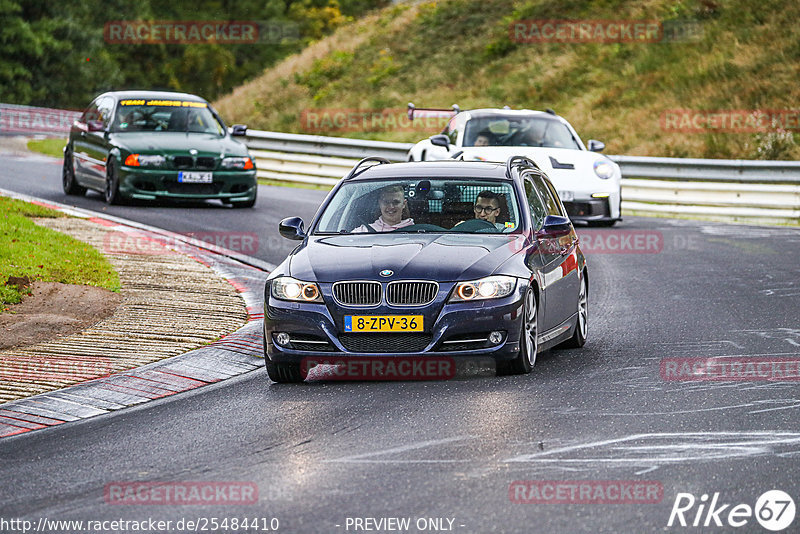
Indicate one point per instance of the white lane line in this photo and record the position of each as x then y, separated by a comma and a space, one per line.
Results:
403, 448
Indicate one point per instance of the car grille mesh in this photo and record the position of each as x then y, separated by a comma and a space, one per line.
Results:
385, 343
206, 163
411, 293
358, 293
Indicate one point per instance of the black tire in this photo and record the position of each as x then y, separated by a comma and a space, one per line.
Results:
529, 340
68, 181
284, 373
578, 339
111, 193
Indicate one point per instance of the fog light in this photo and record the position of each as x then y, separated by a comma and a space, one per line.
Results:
282, 338
495, 337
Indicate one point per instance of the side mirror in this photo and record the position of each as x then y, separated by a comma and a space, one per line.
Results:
95, 126
441, 140
555, 226
292, 228
596, 146
239, 130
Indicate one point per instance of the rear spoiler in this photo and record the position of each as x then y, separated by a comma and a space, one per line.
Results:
432, 112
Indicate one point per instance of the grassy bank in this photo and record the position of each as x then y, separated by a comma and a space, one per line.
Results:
37, 253
49, 147
740, 55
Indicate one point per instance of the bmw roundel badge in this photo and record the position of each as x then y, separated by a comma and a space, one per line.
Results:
386, 272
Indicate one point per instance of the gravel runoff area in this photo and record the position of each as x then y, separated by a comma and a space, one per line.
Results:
171, 303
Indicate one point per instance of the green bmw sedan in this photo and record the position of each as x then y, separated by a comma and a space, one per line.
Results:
151, 145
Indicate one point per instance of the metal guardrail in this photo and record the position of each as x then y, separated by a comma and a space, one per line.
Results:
726, 190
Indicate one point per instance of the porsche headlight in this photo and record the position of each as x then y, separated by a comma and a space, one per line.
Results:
491, 287
288, 288
603, 169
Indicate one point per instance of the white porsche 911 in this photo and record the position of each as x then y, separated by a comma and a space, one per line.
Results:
588, 183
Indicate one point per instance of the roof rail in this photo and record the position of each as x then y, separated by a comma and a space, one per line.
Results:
455, 110
519, 160
378, 159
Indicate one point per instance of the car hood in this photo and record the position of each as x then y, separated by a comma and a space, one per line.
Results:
444, 258
178, 142
581, 177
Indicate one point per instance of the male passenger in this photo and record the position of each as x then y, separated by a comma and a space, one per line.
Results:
393, 206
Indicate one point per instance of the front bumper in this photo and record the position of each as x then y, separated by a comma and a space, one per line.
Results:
152, 184
450, 329
593, 209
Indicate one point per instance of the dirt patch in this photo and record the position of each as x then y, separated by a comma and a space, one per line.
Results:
55, 310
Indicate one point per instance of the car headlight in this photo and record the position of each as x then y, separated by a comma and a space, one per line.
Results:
288, 288
491, 287
238, 163
143, 160
603, 169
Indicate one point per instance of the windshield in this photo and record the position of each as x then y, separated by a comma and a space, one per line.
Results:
165, 116
454, 205
538, 131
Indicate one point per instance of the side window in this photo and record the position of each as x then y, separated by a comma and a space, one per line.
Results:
105, 107
91, 113
538, 212
452, 130
550, 203
556, 200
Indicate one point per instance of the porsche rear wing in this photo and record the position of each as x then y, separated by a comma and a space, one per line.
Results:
432, 112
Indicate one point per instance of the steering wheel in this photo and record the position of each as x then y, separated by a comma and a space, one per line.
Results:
475, 225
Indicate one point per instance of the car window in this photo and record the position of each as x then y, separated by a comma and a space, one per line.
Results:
556, 200
105, 106
549, 199
533, 131
537, 208
429, 205
91, 113
452, 130
142, 115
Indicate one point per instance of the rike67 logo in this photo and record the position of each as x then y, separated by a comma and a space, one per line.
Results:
774, 510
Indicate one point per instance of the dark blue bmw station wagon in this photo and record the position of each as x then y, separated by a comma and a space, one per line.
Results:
426, 259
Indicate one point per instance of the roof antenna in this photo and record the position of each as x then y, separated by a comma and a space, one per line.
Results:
550, 111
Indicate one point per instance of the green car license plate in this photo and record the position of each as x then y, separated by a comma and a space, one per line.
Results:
194, 177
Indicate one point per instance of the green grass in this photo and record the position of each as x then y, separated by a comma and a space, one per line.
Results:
49, 146
29, 250
436, 54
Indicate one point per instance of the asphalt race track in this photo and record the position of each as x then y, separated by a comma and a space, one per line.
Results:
325, 454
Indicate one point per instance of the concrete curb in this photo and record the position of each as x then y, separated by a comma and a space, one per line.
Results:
237, 353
